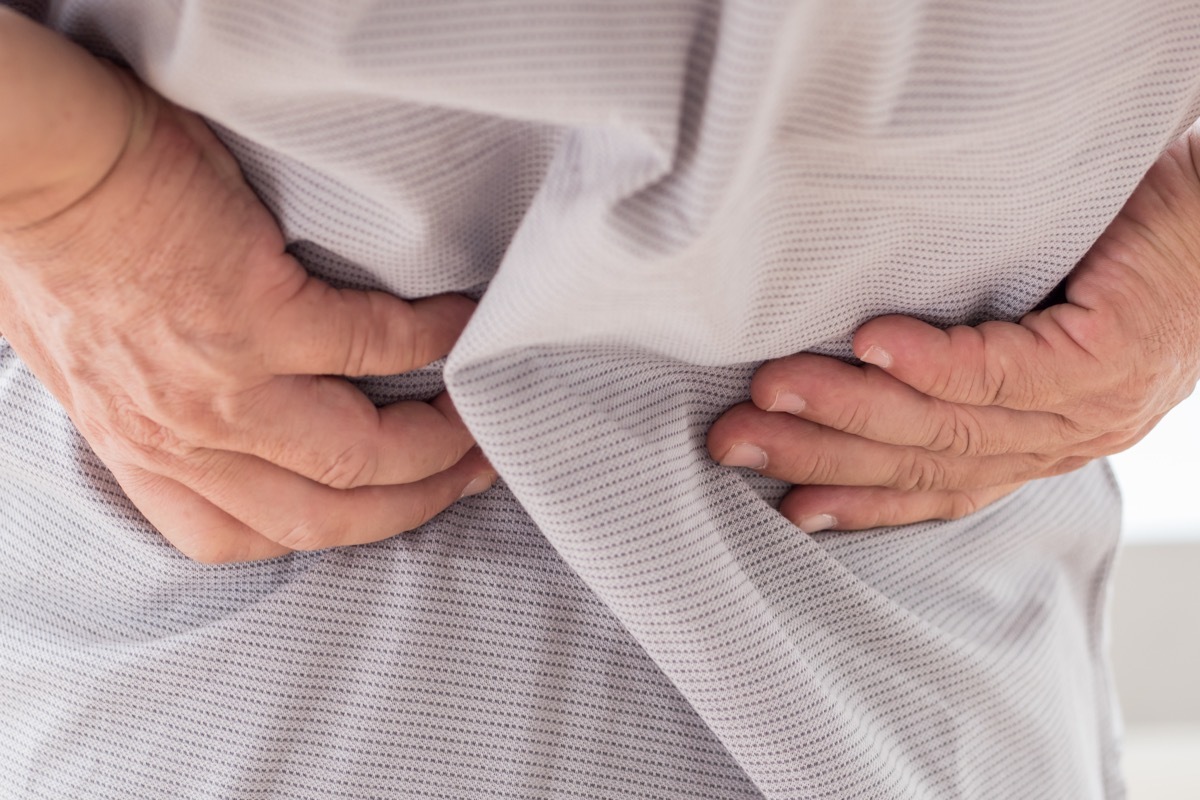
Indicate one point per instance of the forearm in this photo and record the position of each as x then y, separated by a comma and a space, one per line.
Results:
64, 119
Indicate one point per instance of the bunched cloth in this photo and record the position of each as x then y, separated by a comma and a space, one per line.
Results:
652, 198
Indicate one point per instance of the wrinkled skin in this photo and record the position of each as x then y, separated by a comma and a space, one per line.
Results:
196, 357
939, 423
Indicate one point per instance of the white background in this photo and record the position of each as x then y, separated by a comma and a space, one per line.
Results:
1156, 613
1160, 479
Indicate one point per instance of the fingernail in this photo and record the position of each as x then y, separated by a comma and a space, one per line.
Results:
744, 454
788, 402
878, 356
480, 483
815, 523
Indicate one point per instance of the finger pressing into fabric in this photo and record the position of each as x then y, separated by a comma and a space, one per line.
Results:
996, 363
853, 508
322, 330
327, 430
868, 402
803, 452
301, 514
196, 527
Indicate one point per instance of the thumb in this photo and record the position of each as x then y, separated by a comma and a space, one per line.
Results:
323, 330
1033, 365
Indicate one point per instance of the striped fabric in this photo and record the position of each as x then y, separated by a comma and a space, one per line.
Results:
652, 198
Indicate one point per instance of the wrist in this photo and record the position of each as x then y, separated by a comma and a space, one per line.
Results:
68, 118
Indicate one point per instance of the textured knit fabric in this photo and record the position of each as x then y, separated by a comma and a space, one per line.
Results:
652, 198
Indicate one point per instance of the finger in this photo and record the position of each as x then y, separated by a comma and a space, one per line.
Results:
328, 431
1032, 366
867, 402
321, 330
196, 527
300, 514
803, 452
845, 508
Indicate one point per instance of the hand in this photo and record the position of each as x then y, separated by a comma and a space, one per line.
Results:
195, 357
939, 423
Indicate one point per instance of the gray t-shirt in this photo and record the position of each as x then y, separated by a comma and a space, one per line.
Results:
652, 197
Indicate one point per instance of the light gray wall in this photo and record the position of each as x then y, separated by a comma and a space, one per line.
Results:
1156, 633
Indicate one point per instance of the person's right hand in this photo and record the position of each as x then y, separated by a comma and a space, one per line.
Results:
195, 356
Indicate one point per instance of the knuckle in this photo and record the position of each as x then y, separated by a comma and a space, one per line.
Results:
961, 504
355, 358
354, 466
890, 508
416, 343
882, 514
308, 534
1128, 401
228, 411
418, 512
944, 383
994, 383
1112, 442
383, 330
995, 387
1047, 465
853, 417
204, 425
1042, 465
962, 436
815, 467
970, 438
1071, 431
203, 470
134, 434
358, 337
917, 473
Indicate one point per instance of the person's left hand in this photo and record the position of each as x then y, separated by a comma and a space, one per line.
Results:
939, 423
